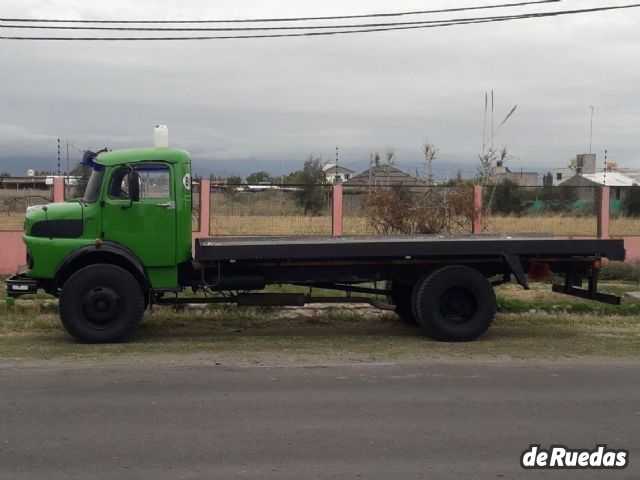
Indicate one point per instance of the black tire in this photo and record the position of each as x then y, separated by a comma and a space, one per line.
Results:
101, 303
401, 296
455, 304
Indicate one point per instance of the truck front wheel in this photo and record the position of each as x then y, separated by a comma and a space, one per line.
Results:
455, 304
101, 303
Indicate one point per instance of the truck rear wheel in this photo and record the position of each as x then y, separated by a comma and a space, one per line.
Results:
101, 303
401, 296
455, 304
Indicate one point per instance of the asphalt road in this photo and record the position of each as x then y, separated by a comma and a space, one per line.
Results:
442, 419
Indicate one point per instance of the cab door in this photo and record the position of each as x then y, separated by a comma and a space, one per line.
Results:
142, 221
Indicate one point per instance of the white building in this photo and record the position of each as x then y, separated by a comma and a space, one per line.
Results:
336, 174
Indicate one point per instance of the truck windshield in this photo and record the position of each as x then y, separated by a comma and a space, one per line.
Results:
92, 191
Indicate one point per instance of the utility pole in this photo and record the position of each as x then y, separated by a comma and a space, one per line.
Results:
492, 124
591, 131
58, 157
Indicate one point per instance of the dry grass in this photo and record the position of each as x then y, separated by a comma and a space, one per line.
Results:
35, 332
31, 329
566, 225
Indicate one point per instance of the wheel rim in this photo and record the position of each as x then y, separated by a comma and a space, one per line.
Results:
458, 305
101, 307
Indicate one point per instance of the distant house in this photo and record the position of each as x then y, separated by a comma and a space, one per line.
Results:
561, 175
583, 164
521, 178
336, 174
617, 182
34, 182
384, 176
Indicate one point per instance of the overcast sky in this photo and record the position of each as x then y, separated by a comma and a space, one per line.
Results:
244, 105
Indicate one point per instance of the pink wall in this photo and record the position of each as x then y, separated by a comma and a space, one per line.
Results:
12, 252
632, 245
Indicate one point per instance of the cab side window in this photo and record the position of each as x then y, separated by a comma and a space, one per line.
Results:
155, 181
151, 180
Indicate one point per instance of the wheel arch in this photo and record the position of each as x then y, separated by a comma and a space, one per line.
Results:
107, 252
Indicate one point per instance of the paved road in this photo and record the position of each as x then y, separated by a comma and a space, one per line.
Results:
435, 420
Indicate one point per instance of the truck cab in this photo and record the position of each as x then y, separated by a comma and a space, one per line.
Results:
137, 204
135, 214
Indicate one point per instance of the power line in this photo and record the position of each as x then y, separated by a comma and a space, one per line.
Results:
287, 19
244, 29
420, 25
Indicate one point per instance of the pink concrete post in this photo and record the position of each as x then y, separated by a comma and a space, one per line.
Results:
205, 208
58, 189
603, 212
336, 211
12, 252
476, 225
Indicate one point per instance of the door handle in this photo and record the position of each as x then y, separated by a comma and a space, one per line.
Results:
169, 205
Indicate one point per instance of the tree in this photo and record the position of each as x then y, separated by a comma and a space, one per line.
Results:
509, 198
374, 159
631, 202
429, 152
234, 180
258, 177
311, 194
390, 155
82, 172
558, 198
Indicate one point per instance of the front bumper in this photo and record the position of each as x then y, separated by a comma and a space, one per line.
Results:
20, 284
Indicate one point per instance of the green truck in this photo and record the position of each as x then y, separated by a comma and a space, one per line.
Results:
127, 245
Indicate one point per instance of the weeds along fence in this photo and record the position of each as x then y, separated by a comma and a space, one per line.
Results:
400, 210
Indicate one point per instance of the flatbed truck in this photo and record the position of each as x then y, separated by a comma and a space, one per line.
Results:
127, 245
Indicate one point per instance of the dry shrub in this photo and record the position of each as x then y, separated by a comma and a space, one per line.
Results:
432, 210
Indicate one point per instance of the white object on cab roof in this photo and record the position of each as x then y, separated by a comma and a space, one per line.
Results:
161, 136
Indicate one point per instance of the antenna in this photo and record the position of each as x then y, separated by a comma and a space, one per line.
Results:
484, 123
58, 157
492, 124
591, 131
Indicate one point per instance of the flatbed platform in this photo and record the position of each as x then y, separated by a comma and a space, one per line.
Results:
216, 249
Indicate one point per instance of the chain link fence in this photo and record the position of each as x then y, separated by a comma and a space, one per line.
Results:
14, 202
560, 210
195, 206
267, 210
